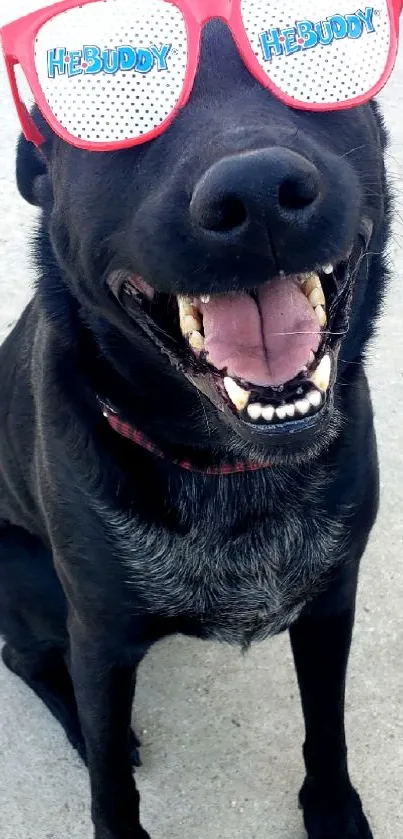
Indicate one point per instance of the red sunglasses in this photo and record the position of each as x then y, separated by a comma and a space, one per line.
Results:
108, 74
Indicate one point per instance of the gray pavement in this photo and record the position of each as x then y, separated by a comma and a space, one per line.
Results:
221, 732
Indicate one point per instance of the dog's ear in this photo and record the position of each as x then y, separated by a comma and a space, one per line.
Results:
31, 165
31, 169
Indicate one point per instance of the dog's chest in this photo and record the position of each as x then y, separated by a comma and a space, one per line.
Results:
242, 577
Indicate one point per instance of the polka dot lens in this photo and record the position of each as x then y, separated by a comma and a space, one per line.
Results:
316, 52
108, 74
112, 70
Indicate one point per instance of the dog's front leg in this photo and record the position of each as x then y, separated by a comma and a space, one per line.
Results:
104, 693
321, 644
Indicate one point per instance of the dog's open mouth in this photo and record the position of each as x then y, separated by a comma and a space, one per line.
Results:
268, 355
264, 345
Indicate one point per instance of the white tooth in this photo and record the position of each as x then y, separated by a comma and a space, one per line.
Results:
238, 396
281, 412
309, 282
290, 410
189, 318
205, 298
311, 358
196, 340
268, 412
314, 397
302, 406
321, 376
327, 269
320, 315
255, 410
184, 304
317, 298
190, 323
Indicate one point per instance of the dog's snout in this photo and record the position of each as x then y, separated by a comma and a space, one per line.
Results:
276, 188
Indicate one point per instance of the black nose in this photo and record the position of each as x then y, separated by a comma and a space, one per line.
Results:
273, 188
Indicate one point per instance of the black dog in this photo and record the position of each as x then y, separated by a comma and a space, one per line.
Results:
144, 492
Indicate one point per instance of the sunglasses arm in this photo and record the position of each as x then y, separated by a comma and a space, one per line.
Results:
17, 38
31, 132
10, 38
397, 6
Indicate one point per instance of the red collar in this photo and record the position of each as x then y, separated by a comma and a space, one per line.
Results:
136, 436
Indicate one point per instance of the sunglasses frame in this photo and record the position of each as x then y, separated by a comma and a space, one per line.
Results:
18, 40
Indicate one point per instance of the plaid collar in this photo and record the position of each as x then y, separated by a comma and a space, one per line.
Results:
125, 430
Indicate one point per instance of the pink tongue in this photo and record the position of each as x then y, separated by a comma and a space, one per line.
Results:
266, 343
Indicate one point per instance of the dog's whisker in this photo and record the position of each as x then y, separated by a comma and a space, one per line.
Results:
355, 149
306, 332
209, 430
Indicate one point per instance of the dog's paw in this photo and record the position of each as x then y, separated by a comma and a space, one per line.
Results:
339, 816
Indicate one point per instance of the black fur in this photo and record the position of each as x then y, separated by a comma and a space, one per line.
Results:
104, 548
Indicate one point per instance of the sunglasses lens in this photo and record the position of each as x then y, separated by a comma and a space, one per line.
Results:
316, 56
112, 70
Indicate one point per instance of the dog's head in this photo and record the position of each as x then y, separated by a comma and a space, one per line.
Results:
228, 269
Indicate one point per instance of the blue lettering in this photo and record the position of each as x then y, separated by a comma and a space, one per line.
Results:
305, 29
324, 32
74, 65
307, 34
161, 55
273, 42
92, 58
127, 58
367, 18
339, 26
270, 43
290, 44
354, 26
145, 61
110, 61
56, 61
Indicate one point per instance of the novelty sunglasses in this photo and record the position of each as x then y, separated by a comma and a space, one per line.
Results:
108, 74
